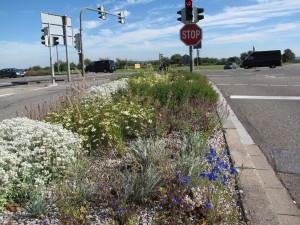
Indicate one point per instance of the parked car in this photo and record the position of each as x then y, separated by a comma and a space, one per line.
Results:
12, 72
230, 65
101, 66
263, 59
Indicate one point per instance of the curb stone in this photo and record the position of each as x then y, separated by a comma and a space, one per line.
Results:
265, 200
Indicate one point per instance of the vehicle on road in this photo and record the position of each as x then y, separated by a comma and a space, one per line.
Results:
12, 72
230, 65
263, 59
101, 66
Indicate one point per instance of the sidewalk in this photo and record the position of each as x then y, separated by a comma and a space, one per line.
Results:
264, 198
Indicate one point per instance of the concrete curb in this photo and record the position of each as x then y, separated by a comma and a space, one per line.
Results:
265, 200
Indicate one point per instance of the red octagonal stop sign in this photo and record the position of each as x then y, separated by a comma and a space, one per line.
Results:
191, 34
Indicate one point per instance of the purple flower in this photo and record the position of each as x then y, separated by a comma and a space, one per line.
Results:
176, 201
233, 170
203, 174
208, 205
121, 210
224, 180
212, 177
115, 202
185, 180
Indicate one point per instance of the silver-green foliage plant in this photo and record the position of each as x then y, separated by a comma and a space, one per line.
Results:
32, 154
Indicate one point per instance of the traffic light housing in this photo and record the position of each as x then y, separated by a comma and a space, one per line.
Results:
197, 15
182, 14
45, 36
121, 17
189, 10
55, 41
102, 13
77, 41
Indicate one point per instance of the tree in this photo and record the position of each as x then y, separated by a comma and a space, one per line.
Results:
244, 55
288, 56
234, 59
121, 63
176, 59
87, 61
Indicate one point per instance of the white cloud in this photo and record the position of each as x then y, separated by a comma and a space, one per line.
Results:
90, 24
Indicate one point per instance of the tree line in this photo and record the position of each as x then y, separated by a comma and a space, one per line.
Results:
176, 59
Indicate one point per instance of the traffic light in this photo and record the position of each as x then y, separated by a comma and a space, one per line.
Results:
45, 36
121, 17
77, 41
101, 12
198, 17
160, 56
182, 14
189, 10
55, 40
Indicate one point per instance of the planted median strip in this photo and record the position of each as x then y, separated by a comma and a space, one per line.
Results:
152, 151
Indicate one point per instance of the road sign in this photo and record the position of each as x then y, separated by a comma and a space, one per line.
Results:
57, 23
191, 34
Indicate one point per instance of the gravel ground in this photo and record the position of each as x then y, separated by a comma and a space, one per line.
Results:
98, 215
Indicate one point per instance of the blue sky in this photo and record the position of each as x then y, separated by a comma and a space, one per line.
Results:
229, 28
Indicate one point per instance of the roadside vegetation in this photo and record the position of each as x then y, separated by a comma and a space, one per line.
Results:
147, 148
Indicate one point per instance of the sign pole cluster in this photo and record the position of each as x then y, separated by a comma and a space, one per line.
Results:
191, 34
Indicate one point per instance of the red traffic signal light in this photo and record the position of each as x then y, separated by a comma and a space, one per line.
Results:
188, 3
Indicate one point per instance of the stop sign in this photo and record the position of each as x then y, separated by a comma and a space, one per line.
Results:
191, 34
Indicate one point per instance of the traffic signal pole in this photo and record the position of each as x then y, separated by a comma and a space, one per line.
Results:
121, 17
191, 59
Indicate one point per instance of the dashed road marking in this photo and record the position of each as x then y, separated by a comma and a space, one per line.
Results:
6, 95
253, 97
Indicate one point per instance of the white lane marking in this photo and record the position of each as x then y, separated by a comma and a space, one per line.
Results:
217, 75
264, 85
40, 88
296, 85
241, 84
278, 85
6, 95
265, 97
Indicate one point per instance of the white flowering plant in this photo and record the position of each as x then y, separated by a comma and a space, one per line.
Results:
32, 154
103, 121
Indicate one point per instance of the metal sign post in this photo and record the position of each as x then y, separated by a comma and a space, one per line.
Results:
61, 27
51, 62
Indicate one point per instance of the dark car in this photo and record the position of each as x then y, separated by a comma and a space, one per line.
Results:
12, 72
101, 66
230, 65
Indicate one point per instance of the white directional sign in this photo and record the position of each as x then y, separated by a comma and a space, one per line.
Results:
56, 24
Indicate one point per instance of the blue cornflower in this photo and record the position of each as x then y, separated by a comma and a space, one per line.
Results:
233, 170
224, 180
212, 176
208, 205
216, 169
204, 174
224, 165
177, 175
185, 180
121, 210
115, 202
176, 201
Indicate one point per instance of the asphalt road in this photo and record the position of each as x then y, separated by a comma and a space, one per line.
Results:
30, 96
267, 102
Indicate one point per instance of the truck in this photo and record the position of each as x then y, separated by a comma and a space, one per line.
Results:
262, 59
